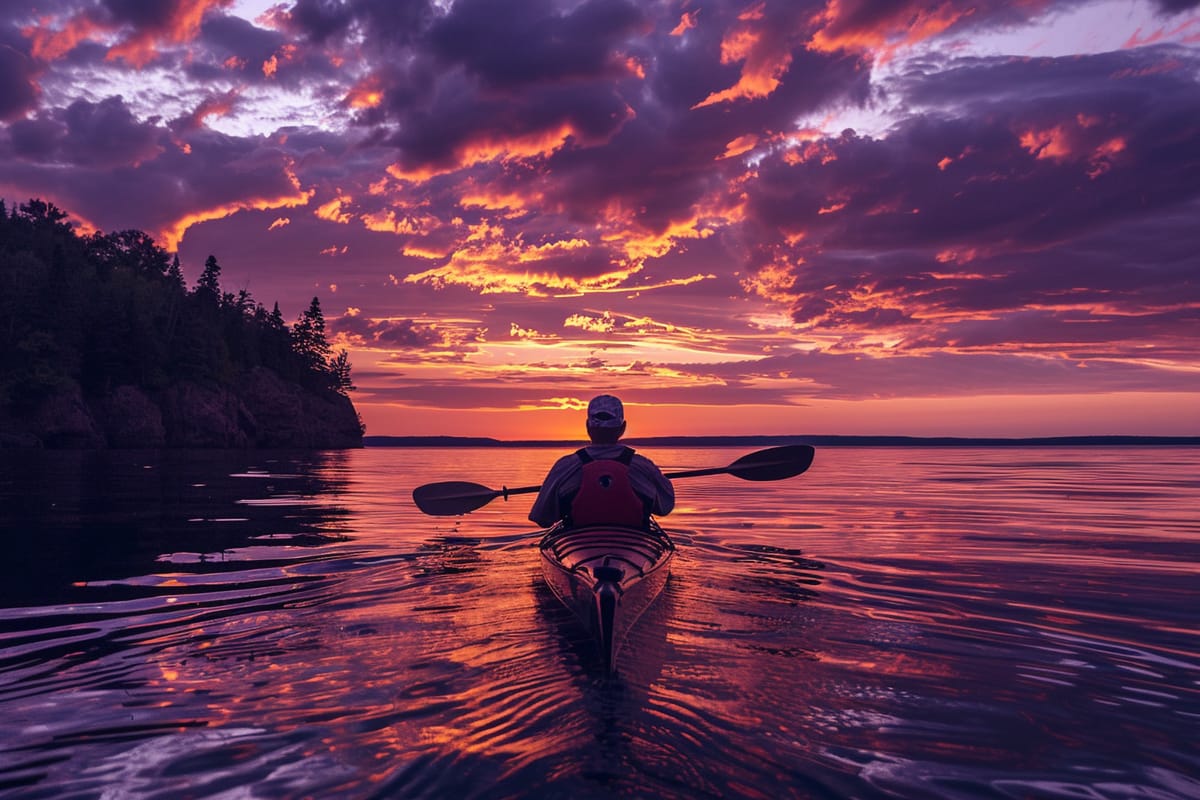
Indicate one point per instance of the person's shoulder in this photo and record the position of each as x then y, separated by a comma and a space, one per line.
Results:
643, 461
569, 460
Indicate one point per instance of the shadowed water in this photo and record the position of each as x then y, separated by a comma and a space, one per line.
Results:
952, 623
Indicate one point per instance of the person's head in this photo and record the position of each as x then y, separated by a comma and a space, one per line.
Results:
605, 419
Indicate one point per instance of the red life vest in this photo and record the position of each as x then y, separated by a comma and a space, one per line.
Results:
606, 495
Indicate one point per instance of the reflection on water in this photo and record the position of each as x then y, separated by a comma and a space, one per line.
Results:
896, 622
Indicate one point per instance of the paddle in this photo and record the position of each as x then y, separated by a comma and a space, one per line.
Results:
448, 498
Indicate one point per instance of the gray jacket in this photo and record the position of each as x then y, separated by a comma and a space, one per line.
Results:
563, 481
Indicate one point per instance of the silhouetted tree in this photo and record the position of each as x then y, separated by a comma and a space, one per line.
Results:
105, 310
210, 280
340, 367
308, 337
175, 274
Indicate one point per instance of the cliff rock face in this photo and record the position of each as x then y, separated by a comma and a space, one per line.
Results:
64, 420
285, 415
203, 416
131, 419
261, 410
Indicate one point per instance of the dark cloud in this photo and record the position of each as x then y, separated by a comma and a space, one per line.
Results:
18, 90
35, 139
319, 20
225, 37
99, 135
1177, 6
368, 27
126, 170
461, 120
152, 14
403, 334
1043, 199
509, 43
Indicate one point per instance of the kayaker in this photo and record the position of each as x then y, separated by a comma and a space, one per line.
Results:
605, 482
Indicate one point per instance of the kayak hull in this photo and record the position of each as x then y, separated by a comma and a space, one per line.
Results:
607, 576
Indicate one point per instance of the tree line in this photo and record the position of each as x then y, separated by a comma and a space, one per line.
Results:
111, 309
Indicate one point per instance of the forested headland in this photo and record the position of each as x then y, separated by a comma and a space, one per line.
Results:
102, 344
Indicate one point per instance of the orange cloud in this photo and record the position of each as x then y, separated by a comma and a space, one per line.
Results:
50, 44
389, 222
367, 93
638, 244
490, 262
765, 61
213, 106
1102, 157
740, 145
956, 256
1049, 143
425, 249
172, 234
515, 331
138, 48
805, 152
775, 281
907, 25
1067, 143
279, 222
601, 324
491, 147
333, 211
474, 195
687, 21
285, 54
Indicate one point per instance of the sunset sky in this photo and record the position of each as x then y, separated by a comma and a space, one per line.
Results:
780, 217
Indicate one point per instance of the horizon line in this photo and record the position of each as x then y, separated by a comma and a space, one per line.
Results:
827, 440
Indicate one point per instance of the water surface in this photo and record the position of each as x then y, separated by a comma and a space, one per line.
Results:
906, 622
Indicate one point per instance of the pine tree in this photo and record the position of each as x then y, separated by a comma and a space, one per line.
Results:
175, 274
309, 336
340, 367
210, 279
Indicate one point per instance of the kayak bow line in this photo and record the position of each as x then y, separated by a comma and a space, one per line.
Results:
450, 498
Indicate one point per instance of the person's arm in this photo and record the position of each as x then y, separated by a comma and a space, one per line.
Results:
663, 499
546, 508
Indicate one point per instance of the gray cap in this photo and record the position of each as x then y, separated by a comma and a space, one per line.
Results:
605, 411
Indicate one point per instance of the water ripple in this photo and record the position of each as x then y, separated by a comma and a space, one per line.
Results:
896, 623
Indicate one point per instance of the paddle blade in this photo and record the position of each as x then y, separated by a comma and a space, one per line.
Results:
773, 464
450, 498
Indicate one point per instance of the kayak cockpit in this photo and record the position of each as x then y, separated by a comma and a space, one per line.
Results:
607, 575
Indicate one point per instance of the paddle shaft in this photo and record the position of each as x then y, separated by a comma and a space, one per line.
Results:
459, 497
692, 473
696, 473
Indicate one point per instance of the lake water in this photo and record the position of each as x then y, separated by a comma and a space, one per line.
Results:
913, 623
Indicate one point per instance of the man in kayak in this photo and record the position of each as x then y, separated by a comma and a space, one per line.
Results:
605, 482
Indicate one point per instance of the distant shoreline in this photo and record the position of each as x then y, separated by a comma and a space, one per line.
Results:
816, 441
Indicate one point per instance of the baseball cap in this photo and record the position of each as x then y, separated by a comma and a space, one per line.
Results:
605, 411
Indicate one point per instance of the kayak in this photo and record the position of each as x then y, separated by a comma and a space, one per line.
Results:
607, 575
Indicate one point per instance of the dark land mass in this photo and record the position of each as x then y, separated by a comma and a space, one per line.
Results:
102, 345
816, 441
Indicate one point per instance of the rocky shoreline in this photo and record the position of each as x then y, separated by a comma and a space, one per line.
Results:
260, 410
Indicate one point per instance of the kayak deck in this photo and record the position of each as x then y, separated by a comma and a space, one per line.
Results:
607, 575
